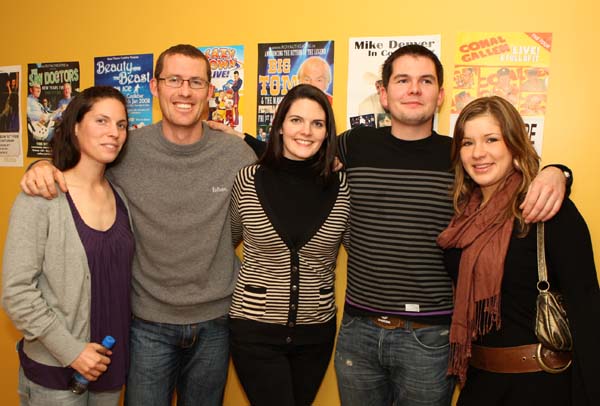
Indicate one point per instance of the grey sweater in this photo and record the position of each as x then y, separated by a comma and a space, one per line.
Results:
46, 286
184, 268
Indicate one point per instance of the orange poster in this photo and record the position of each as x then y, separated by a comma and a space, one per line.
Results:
515, 66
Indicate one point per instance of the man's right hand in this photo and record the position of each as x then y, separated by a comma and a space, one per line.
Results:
40, 180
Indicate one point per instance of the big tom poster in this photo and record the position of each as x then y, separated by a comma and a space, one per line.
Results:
282, 66
514, 66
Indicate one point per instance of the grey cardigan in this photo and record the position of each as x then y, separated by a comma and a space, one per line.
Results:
46, 285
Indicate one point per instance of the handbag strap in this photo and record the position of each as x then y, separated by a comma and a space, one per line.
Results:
543, 284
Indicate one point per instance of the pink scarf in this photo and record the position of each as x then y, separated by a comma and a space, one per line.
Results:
483, 234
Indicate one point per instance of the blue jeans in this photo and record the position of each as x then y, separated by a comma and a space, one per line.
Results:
32, 394
400, 367
190, 358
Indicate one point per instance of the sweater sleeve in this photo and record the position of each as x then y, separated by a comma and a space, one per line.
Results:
22, 267
343, 147
571, 262
259, 147
345, 190
234, 210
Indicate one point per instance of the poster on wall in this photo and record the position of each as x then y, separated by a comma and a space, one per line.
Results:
227, 67
131, 75
50, 86
282, 66
514, 66
11, 147
366, 55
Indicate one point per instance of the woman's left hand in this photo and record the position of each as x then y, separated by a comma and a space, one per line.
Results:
92, 362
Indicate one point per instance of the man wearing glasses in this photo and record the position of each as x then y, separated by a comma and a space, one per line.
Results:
177, 175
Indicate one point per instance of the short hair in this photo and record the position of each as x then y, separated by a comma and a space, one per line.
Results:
65, 147
413, 50
181, 49
235, 72
319, 60
517, 141
273, 155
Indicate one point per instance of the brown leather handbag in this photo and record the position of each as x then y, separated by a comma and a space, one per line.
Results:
551, 323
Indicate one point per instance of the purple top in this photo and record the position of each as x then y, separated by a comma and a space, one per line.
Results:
109, 254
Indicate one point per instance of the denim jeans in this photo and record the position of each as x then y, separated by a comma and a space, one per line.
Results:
32, 394
190, 358
400, 367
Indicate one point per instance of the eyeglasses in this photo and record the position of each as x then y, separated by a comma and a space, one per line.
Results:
176, 81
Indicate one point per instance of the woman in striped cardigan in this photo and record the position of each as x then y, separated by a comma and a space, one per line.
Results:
291, 210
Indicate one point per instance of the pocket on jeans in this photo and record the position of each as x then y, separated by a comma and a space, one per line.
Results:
347, 320
433, 338
254, 300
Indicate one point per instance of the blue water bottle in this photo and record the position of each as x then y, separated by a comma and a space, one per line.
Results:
78, 383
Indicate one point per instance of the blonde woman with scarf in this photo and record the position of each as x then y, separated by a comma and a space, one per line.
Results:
491, 253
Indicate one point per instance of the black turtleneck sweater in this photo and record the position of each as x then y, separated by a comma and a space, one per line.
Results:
292, 225
296, 200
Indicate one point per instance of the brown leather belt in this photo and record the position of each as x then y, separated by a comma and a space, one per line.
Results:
521, 359
391, 323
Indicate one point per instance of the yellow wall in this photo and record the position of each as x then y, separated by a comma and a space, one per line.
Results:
65, 30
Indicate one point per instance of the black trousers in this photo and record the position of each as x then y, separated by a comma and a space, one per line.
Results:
528, 389
286, 366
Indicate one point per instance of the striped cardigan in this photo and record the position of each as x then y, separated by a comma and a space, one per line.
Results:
278, 284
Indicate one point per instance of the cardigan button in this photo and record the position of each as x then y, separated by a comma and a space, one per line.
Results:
288, 340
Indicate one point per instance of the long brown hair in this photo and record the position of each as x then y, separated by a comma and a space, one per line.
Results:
514, 133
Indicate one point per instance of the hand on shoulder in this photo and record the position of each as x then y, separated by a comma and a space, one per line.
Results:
40, 178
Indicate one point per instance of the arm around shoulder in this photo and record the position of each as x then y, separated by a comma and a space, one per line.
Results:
40, 178
545, 195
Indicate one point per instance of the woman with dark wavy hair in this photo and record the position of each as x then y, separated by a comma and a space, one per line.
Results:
491, 253
291, 211
67, 263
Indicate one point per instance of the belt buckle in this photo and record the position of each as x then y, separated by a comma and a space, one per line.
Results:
546, 367
384, 321
390, 323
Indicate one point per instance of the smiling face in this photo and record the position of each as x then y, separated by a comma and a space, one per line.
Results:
102, 131
484, 154
35, 90
182, 107
303, 130
315, 71
413, 93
